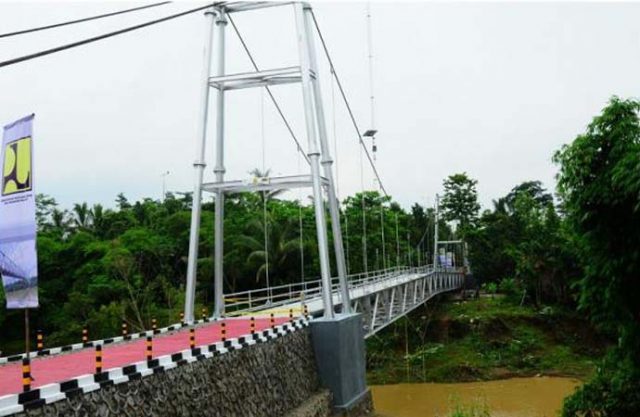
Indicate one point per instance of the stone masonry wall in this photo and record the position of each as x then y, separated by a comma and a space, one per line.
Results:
262, 380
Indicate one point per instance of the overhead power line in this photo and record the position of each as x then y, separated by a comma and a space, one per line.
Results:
99, 37
85, 19
273, 99
346, 102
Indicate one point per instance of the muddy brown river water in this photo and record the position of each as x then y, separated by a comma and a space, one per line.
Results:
516, 397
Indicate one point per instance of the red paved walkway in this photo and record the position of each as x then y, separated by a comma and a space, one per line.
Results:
61, 367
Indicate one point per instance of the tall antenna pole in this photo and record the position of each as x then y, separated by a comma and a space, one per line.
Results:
370, 57
372, 124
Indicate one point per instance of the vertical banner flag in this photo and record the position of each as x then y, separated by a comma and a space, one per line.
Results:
18, 257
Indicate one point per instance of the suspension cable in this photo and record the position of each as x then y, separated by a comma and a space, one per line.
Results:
300, 228
346, 231
365, 262
266, 239
99, 37
273, 99
264, 197
346, 102
384, 250
397, 242
335, 137
409, 257
85, 19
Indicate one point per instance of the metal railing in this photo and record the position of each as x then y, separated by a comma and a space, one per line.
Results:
303, 292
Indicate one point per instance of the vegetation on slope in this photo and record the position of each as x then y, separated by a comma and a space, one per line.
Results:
482, 339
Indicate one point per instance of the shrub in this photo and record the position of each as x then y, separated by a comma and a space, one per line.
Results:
475, 409
613, 392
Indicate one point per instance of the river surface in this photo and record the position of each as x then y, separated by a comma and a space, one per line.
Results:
516, 397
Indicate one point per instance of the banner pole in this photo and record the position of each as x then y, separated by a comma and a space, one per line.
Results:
26, 332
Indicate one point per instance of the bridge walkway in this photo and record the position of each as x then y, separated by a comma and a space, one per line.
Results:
68, 365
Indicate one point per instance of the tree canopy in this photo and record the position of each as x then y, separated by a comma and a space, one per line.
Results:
460, 201
599, 183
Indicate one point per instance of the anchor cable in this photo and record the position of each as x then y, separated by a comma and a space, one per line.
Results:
99, 37
85, 19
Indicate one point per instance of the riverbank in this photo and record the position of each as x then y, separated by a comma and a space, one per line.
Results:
485, 339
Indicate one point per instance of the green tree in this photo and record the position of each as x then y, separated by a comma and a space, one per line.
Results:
460, 201
82, 216
599, 183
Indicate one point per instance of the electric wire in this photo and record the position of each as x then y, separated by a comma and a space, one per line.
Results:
61, 48
273, 99
344, 97
85, 19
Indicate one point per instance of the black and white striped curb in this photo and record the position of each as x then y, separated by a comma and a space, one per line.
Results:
132, 336
47, 394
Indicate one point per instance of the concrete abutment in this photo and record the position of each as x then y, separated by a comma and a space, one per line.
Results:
274, 378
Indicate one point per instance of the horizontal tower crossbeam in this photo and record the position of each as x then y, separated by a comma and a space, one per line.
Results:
262, 184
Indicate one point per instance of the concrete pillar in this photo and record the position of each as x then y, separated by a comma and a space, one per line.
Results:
339, 348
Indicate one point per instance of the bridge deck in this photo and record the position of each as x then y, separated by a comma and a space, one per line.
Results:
62, 367
315, 304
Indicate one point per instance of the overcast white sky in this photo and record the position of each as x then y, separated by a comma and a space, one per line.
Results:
487, 88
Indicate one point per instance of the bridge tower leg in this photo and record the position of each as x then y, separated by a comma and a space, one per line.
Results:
219, 170
338, 341
327, 162
199, 165
309, 87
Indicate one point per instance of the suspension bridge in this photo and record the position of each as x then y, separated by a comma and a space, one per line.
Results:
381, 297
341, 308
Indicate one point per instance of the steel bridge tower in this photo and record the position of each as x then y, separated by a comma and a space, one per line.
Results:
306, 74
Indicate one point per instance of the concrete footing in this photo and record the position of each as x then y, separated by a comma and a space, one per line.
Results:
339, 350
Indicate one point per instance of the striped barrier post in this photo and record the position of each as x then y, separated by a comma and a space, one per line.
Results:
291, 315
85, 335
26, 374
204, 313
253, 325
223, 331
192, 338
125, 329
154, 325
98, 359
182, 318
273, 321
39, 341
306, 311
149, 348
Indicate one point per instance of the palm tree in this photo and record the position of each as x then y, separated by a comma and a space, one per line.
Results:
281, 246
266, 195
59, 221
82, 218
98, 220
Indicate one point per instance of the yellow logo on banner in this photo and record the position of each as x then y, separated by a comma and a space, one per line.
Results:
16, 171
